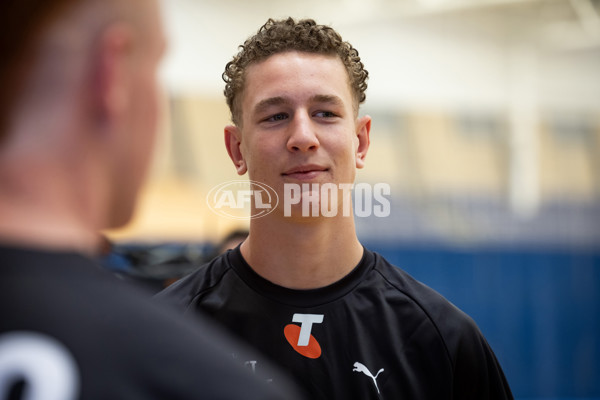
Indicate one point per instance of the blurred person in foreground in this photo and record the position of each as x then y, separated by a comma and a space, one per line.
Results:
78, 110
301, 288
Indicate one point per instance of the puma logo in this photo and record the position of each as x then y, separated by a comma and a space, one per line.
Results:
358, 367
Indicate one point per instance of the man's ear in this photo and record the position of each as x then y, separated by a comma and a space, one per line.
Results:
113, 71
363, 129
233, 140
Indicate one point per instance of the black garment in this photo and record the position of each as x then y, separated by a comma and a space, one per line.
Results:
58, 307
375, 334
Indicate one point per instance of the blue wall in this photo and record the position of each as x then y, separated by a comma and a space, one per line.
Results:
539, 310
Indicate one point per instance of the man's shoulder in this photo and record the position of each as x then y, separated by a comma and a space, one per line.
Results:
206, 277
75, 292
476, 371
450, 321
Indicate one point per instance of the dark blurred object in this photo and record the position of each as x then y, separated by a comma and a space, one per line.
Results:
154, 266
158, 265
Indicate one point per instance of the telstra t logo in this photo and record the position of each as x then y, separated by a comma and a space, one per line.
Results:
300, 338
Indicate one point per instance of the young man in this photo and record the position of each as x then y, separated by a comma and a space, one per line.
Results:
301, 288
78, 110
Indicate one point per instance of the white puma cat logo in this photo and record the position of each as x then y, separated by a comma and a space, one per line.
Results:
358, 367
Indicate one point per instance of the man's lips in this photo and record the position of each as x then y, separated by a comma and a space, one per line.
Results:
304, 171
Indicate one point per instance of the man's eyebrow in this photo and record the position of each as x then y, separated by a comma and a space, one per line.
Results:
327, 98
266, 103
279, 100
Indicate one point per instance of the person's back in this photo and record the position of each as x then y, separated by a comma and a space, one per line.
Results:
67, 326
78, 111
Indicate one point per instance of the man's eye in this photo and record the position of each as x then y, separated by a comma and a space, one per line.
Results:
325, 114
277, 117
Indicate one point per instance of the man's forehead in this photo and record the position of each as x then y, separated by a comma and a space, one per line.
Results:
281, 56
259, 92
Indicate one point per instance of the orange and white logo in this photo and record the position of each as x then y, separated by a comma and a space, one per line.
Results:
300, 337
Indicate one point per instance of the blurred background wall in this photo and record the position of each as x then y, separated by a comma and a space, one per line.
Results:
486, 124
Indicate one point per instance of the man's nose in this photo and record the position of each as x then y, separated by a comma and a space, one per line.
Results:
303, 136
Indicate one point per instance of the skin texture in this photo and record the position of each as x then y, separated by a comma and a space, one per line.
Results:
299, 126
79, 140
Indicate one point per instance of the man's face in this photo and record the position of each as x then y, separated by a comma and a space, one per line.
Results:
298, 122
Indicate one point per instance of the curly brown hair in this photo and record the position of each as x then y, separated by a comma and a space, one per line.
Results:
278, 36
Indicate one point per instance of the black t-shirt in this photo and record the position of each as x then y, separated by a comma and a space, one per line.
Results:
375, 334
71, 330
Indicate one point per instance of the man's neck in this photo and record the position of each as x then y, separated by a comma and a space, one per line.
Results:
44, 236
302, 255
44, 211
